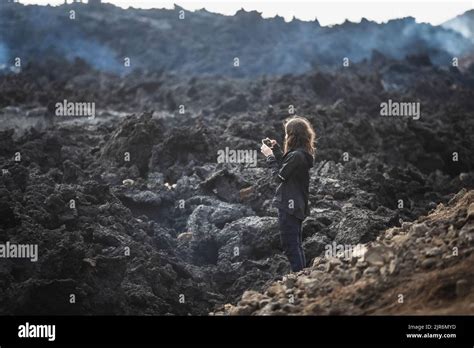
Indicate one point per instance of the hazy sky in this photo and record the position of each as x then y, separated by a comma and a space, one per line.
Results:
327, 12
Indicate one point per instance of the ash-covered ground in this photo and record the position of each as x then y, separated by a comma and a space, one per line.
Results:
134, 213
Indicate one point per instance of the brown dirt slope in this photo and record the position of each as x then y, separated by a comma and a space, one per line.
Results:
423, 267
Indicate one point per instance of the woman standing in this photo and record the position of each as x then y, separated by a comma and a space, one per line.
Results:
291, 170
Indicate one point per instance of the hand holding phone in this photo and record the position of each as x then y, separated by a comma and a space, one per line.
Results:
267, 145
269, 142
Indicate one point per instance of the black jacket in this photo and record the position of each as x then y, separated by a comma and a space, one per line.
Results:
291, 172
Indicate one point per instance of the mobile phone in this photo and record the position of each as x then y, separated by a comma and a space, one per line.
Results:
267, 142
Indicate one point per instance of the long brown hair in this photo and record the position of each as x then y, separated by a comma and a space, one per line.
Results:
299, 133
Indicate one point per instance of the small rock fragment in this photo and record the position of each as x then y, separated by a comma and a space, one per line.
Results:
462, 288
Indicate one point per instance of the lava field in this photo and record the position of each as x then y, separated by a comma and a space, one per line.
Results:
133, 213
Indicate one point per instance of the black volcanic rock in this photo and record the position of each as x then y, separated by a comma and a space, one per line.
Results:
175, 231
264, 46
363, 282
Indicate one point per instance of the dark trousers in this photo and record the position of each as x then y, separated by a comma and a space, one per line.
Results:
291, 239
